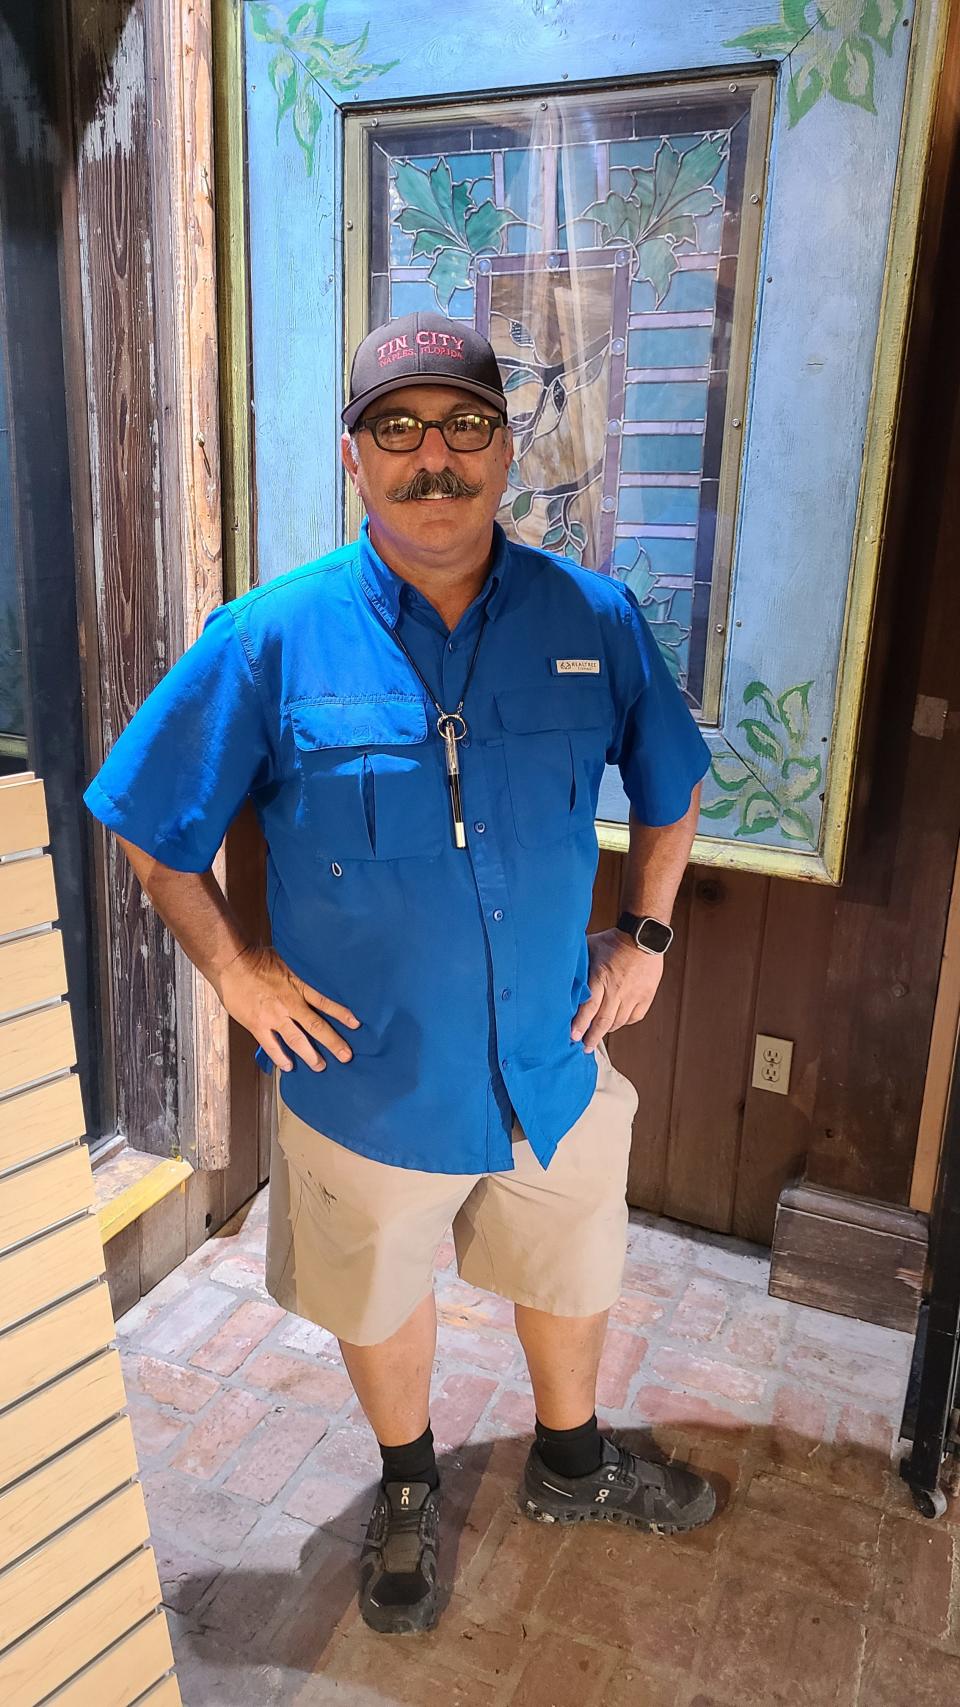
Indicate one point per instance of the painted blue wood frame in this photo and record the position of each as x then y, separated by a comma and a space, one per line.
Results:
841, 74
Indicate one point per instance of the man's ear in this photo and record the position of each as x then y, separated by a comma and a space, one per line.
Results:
350, 463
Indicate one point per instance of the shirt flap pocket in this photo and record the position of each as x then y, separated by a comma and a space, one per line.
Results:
358, 722
558, 704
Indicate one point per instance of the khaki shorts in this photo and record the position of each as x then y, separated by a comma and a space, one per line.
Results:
352, 1242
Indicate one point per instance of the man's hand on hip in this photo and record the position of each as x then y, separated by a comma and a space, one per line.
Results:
259, 990
623, 982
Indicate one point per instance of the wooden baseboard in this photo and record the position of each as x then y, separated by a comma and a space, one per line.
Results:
849, 1255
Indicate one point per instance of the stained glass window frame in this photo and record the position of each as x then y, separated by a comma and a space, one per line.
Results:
499, 123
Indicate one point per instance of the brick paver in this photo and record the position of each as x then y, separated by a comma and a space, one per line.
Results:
816, 1585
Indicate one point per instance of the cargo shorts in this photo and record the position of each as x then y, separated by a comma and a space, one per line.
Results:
352, 1242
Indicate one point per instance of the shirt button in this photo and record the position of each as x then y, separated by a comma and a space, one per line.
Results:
504, 995
498, 915
450, 646
480, 826
504, 1064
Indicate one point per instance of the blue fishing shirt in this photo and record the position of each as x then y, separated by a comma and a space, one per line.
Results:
464, 966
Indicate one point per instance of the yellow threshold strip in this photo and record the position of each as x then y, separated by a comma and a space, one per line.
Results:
134, 1200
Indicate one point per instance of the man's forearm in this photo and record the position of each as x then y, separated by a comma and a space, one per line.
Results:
194, 907
656, 862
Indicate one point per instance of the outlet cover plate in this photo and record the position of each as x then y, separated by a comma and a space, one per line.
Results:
772, 1060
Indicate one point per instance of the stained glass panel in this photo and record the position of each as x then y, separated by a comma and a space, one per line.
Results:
597, 244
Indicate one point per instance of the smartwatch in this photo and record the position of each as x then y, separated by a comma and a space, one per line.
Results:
648, 934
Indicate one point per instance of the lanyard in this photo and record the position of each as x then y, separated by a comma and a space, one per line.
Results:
452, 727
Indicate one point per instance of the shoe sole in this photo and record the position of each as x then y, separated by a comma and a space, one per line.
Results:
400, 1620
541, 1514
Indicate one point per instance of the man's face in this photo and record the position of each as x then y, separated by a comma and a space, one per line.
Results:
432, 496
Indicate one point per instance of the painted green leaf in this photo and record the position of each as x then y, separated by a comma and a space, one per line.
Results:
449, 273
803, 92
728, 771
719, 809
794, 711
268, 23
796, 825
578, 532
521, 506
306, 122
769, 38
339, 62
657, 263
758, 812
518, 376
553, 537
759, 690
801, 778
796, 16
306, 20
283, 76
851, 74
879, 21
761, 739
485, 225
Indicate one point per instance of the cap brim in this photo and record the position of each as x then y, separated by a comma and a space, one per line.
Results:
354, 409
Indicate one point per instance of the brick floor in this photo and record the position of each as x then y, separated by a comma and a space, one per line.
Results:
817, 1583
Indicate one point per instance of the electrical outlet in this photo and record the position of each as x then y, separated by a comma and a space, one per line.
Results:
771, 1064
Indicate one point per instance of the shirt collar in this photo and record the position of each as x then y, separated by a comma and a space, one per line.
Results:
383, 587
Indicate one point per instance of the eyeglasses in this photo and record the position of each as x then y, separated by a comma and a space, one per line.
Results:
407, 432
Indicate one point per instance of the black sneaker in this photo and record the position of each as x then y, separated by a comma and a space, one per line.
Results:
661, 1498
398, 1561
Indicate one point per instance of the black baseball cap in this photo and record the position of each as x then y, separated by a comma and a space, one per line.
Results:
419, 347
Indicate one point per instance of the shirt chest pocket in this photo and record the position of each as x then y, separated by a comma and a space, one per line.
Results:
553, 735
371, 784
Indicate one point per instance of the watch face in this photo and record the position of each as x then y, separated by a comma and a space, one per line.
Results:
652, 935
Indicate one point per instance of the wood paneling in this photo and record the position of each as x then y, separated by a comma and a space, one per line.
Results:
23, 821
32, 970
53, 1342
28, 894
66, 1487
36, 1044
49, 1268
43, 1194
35, 1429
39, 1119
79, 1593
64, 1566
119, 1677
78, 1634
714, 1043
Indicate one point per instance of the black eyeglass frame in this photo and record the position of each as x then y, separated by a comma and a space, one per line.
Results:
495, 421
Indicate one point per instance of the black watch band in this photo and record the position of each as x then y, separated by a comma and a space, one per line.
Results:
651, 935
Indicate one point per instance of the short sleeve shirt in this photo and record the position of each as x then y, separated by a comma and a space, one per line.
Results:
465, 966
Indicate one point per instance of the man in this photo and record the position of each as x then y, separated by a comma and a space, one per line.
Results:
422, 720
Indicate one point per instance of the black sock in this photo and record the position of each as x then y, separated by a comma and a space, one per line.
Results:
571, 1451
414, 1462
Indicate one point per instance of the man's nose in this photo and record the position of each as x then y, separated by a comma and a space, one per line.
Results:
434, 452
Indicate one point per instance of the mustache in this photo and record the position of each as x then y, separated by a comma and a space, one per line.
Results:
424, 484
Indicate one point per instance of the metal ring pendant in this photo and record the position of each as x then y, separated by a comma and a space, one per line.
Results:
451, 717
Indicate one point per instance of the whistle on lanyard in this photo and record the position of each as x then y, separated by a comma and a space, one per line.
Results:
451, 733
